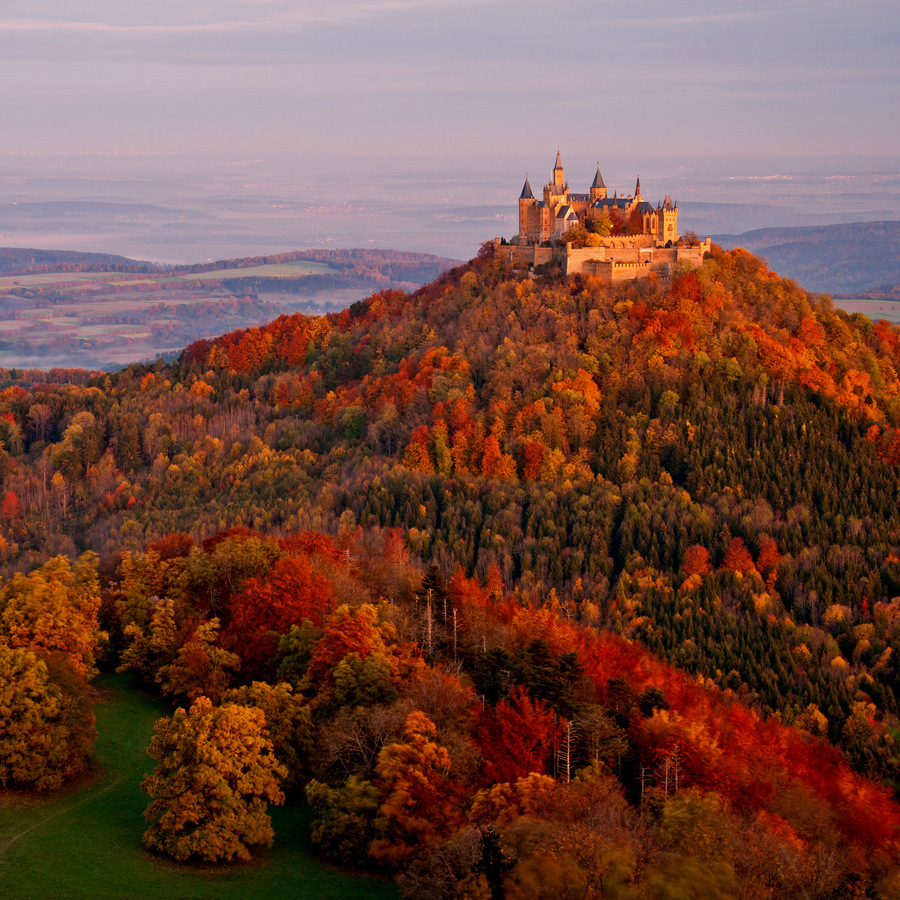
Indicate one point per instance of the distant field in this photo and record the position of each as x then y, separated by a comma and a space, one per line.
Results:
295, 269
86, 843
874, 309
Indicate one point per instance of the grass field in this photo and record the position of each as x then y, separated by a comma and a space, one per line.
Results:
292, 269
86, 842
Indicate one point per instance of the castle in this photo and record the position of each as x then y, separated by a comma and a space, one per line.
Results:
613, 238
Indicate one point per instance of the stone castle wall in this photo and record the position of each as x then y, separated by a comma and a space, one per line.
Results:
620, 259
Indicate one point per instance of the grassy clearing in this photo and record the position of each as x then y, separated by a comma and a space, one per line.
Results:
86, 842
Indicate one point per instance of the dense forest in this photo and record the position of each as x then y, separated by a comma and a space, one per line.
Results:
535, 490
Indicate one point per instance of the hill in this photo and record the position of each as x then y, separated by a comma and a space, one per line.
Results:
835, 259
704, 469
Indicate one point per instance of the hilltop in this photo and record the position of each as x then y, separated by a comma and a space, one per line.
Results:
702, 468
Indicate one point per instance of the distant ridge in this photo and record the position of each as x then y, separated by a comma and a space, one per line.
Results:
22, 260
835, 259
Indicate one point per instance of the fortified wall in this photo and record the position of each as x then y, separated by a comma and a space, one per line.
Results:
623, 259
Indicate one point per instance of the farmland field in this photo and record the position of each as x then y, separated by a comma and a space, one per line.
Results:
121, 314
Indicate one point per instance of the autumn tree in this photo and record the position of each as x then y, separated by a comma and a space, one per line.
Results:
55, 609
516, 737
267, 607
420, 805
201, 667
216, 771
288, 721
46, 731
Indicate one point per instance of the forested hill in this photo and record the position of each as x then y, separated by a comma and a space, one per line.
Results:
707, 467
838, 259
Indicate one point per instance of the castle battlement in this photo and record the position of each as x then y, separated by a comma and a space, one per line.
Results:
614, 238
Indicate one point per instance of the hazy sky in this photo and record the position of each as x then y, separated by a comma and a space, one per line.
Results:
720, 79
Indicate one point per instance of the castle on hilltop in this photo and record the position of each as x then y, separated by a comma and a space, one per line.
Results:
614, 238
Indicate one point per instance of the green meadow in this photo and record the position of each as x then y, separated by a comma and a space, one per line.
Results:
85, 842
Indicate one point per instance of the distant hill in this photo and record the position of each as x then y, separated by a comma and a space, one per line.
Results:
21, 261
61, 308
835, 259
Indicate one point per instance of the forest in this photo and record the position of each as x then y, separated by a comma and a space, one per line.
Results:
603, 575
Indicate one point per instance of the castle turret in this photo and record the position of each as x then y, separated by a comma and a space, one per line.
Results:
559, 178
529, 221
598, 188
637, 189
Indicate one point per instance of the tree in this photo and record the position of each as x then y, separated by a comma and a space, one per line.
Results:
738, 558
267, 607
201, 668
216, 770
420, 804
343, 819
288, 721
516, 737
55, 609
42, 735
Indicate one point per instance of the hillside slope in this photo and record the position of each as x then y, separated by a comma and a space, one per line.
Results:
707, 466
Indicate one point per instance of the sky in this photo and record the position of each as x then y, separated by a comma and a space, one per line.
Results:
455, 78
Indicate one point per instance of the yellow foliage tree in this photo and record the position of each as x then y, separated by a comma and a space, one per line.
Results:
55, 609
216, 772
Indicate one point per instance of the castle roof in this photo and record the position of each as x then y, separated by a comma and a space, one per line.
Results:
566, 212
598, 180
579, 198
644, 206
526, 191
559, 164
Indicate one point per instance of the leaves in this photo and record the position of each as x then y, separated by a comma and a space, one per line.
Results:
216, 772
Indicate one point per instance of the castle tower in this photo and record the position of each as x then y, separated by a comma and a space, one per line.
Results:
528, 220
667, 221
637, 190
558, 175
598, 188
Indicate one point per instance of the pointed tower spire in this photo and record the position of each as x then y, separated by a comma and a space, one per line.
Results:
637, 189
598, 179
526, 191
559, 178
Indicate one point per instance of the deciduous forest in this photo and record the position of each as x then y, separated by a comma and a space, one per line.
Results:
526, 586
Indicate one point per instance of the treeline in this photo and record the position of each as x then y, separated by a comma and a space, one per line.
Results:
20, 261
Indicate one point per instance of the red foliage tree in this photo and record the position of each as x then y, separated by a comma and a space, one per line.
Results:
291, 592
696, 561
738, 558
516, 737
